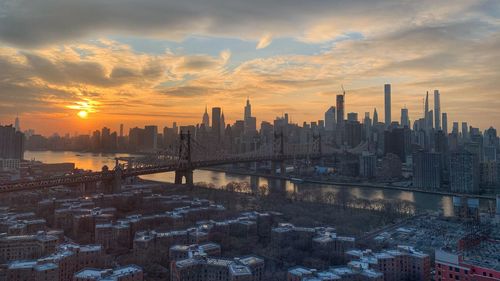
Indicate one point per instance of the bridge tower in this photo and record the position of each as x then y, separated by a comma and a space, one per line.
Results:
185, 167
279, 152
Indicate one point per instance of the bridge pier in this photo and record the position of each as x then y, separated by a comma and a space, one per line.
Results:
282, 168
187, 174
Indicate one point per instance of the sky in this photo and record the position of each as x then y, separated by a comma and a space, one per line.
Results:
77, 65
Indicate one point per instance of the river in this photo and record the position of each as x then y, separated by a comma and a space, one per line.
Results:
95, 161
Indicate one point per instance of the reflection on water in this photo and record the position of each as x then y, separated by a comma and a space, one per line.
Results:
95, 161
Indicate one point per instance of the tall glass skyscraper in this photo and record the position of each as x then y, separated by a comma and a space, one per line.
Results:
387, 102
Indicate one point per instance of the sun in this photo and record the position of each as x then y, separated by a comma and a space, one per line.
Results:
83, 114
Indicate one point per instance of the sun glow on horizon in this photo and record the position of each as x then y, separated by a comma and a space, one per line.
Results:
83, 114
84, 108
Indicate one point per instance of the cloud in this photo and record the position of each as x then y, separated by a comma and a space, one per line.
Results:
29, 23
264, 41
453, 45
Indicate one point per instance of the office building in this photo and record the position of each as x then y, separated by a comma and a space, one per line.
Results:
427, 168
330, 119
216, 123
11, 143
387, 104
464, 172
398, 142
352, 117
340, 110
206, 119
368, 165
437, 110
150, 137
405, 119
353, 133
465, 131
445, 122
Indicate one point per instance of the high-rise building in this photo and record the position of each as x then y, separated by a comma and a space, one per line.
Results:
250, 127
150, 137
353, 132
445, 122
398, 141
405, 119
464, 172
368, 165
248, 110
455, 128
465, 131
106, 139
17, 124
437, 110
367, 123
352, 116
330, 120
222, 124
427, 170
216, 122
427, 115
340, 109
206, 119
387, 103
11, 143
375, 117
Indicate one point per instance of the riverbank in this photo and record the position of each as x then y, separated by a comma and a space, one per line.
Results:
357, 184
347, 218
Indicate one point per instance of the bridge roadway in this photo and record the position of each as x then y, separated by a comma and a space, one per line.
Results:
145, 169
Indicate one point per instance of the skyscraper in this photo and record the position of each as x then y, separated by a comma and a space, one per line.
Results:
216, 122
455, 128
437, 110
387, 103
340, 109
445, 122
405, 119
17, 124
250, 123
375, 117
465, 131
206, 119
330, 120
11, 143
121, 130
367, 123
427, 115
222, 124
464, 172
150, 137
427, 170
248, 110
352, 116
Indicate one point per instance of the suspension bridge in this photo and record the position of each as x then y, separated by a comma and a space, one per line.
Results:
189, 155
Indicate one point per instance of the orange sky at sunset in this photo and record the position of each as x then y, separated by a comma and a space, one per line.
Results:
162, 61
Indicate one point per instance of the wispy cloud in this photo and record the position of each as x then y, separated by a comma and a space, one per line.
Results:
264, 41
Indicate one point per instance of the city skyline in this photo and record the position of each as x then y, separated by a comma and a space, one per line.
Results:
405, 118
149, 69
